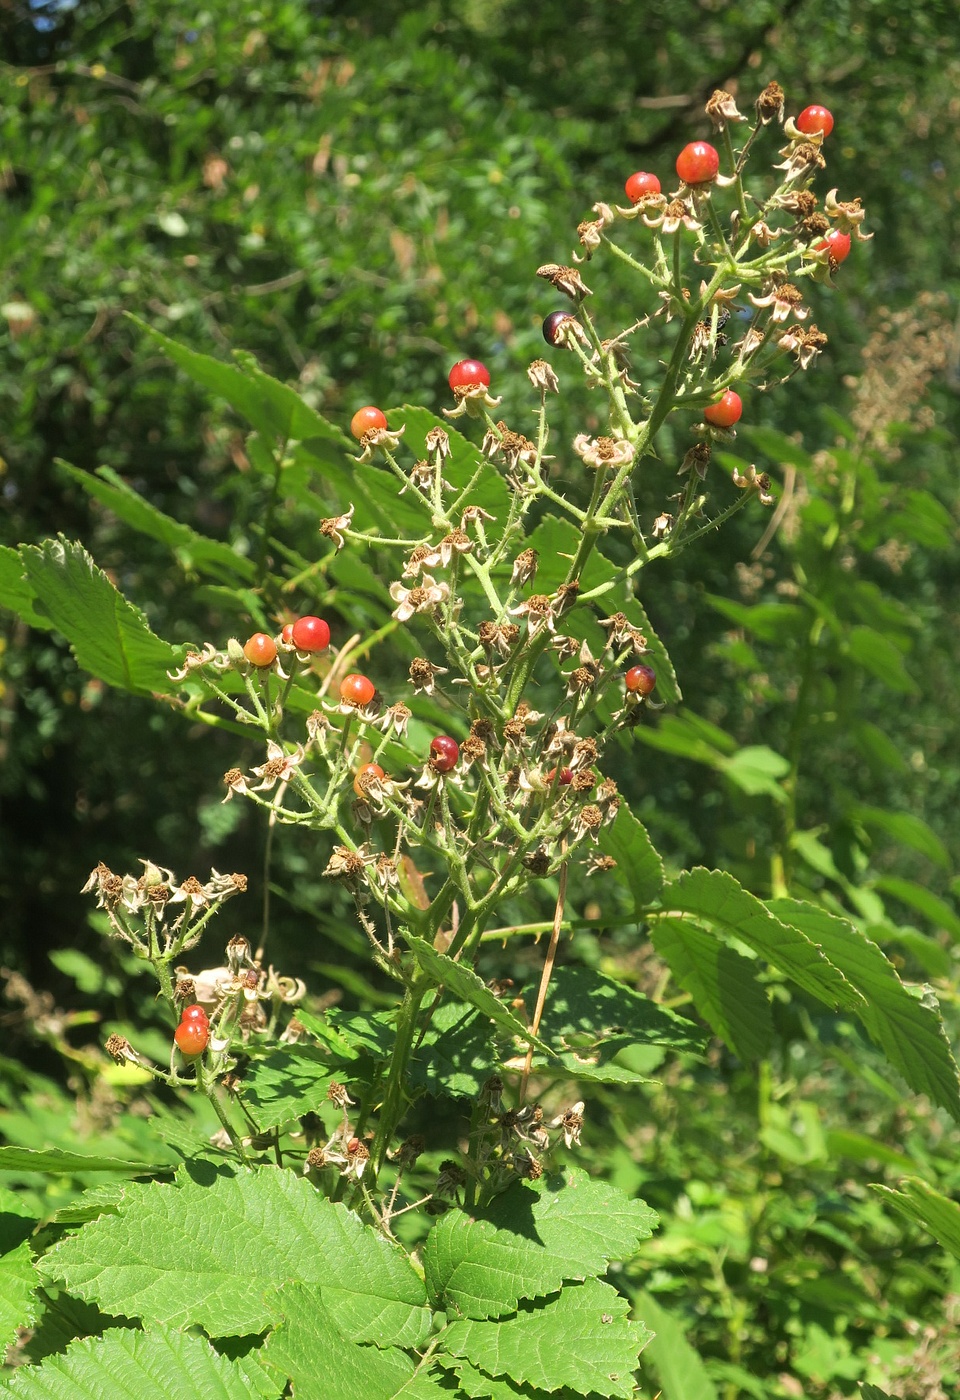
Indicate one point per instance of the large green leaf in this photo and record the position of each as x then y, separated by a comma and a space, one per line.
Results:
193, 550
670, 1356
458, 1052
904, 1023
918, 1201
268, 406
63, 1163
18, 1277
529, 1241
722, 982
108, 635
466, 986
627, 841
289, 1081
248, 1234
322, 1361
15, 592
717, 898
588, 1018
147, 1365
580, 1337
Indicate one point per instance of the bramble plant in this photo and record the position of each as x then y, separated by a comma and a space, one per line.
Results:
444, 803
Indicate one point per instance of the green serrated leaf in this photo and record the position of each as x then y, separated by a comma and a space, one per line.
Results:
579, 1338
56, 1159
464, 983
919, 1202
250, 1234
873, 1392
97, 1201
529, 1241
906, 1026
670, 1356
148, 1365
458, 1053
268, 406
717, 898
627, 841
477, 1385
286, 1083
108, 635
723, 985
322, 1361
593, 1016
15, 592
193, 549
18, 1276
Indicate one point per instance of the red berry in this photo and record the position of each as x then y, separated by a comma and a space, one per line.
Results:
566, 776
552, 324
311, 634
641, 183
444, 753
286, 634
837, 244
357, 690
640, 679
698, 163
366, 418
260, 650
468, 372
191, 1038
373, 769
814, 120
195, 1013
726, 411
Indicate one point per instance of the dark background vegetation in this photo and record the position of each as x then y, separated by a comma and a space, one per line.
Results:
359, 195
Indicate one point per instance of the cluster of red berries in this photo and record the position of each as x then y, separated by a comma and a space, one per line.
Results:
193, 1032
308, 634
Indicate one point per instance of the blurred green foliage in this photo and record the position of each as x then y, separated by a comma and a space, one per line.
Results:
358, 199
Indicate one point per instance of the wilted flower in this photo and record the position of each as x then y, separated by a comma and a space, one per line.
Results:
334, 526
603, 452
571, 1122
196, 660
543, 377
783, 297
279, 767
524, 567
538, 610
423, 598
849, 215
770, 104
721, 108
805, 344
422, 673
756, 481
565, 279
395, 717
672, 215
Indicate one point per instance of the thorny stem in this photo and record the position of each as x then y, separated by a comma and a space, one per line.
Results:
547, 973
